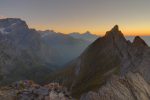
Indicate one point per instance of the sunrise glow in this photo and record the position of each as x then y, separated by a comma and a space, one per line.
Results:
96, 16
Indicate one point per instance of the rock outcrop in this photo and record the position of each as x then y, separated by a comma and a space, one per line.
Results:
130, 87
28, 90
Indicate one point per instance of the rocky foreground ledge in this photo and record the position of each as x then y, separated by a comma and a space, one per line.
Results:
130, 87
28, 90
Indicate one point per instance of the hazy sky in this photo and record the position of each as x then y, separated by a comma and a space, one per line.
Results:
97, 16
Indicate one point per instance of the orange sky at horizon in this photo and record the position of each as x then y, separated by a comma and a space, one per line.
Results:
96, 16
142, 31
97, 29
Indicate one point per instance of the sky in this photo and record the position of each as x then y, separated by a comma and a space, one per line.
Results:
96, 16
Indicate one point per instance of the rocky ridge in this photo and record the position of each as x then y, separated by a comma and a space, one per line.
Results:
110, 55
130, 87
133, 81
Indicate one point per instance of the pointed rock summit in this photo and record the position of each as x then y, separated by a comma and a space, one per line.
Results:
138, 41
114, 32
115, 28
115, 35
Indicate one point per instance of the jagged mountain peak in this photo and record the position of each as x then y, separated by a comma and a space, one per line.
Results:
11, 21
114, 32
87, 32
138, 41
115, 28
10, 25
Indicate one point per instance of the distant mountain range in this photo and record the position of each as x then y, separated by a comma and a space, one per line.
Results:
66, 46
24, 50
85, 36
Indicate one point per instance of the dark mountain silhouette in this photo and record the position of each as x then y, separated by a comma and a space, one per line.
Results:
110, 55
145, 38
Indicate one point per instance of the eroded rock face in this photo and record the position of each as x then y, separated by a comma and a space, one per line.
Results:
131, 87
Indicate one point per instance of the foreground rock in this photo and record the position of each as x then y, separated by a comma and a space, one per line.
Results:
130, 87
27, 90
6, 94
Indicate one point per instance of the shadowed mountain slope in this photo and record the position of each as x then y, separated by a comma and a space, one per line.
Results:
109, 55
23, 55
